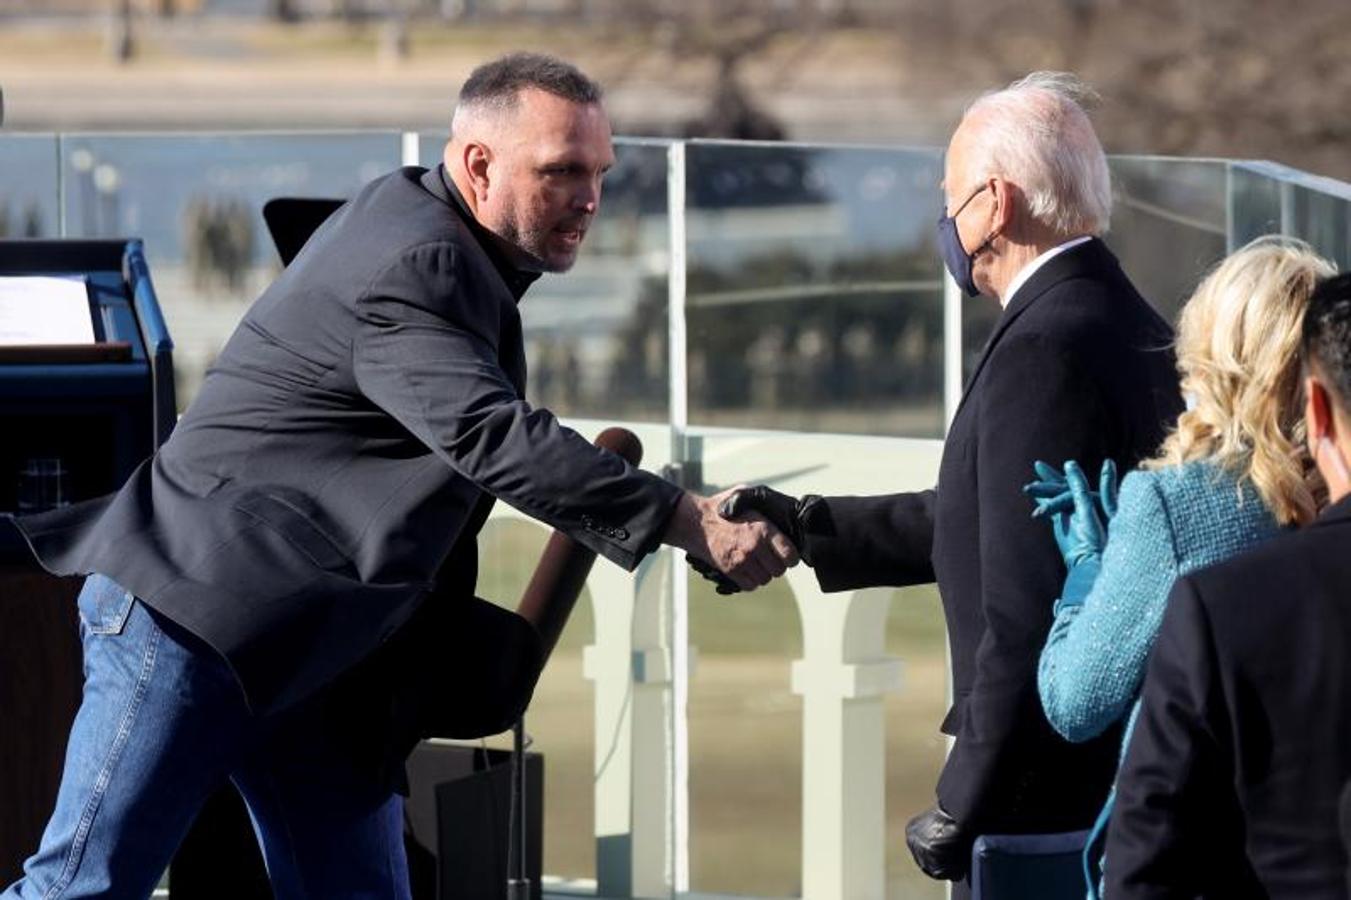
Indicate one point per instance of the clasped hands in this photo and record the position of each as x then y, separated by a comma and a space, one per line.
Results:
1079, 517
730, 542
787, 516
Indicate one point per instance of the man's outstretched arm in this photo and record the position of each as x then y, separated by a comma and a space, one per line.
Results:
426, 352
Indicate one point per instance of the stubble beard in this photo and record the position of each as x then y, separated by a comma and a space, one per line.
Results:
533, 246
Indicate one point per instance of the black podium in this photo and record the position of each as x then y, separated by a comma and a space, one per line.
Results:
458, 814
78, 418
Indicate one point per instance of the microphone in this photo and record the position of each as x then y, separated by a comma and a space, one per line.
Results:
546, 604
563, 566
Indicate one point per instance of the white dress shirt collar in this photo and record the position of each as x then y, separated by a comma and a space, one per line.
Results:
1030, 269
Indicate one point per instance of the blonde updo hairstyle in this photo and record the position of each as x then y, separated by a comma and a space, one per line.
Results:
1238, 341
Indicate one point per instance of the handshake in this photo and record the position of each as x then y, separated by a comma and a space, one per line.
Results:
745, 537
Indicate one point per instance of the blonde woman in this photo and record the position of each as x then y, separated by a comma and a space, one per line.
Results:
1232, 473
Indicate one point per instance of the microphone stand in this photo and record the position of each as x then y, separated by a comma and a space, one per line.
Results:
518, 884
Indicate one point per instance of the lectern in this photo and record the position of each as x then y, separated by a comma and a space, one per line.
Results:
77, 414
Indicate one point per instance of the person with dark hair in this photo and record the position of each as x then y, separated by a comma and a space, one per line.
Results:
1230, 784
500, 82
283, 596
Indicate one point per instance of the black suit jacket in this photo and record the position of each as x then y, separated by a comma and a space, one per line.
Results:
343, 452
1079, 367
1231, 782
1346, 830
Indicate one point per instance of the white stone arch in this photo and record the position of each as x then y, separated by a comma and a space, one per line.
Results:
629, 664
842, 677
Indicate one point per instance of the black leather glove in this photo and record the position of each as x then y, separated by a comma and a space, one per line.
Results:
796, 518
940, 847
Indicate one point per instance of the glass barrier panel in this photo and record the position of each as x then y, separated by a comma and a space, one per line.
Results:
196, 200
430, 146
814, 292
746, 716
28, 186
1254, 205
597, 338
1324, 220
1168, 224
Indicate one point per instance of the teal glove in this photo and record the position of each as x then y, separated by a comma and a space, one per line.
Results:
1109, 489
1051, 493
1051, 496
1078, 585
1078, 524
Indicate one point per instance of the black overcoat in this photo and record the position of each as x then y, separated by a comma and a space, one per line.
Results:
1079, 367
1231, 781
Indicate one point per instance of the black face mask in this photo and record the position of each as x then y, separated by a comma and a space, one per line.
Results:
955, 257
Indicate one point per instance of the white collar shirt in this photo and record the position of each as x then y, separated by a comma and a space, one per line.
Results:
1031, 268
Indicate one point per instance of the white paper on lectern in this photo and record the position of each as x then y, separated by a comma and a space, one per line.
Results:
44, 310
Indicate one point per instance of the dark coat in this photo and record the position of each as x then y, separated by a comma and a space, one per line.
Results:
343, 453
1231, 782
1346, 831
1079, 367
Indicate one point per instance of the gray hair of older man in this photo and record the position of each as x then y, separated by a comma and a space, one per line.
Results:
1036, 133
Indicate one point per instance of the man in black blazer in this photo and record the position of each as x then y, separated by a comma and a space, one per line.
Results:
1242, 745
1079, 368
303, 547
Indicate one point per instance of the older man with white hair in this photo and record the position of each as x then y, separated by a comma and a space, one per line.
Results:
1078, 367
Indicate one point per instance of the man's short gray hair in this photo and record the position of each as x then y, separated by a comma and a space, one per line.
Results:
1036, 133
499, 83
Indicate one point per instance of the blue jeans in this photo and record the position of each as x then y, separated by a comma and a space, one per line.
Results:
162, 725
